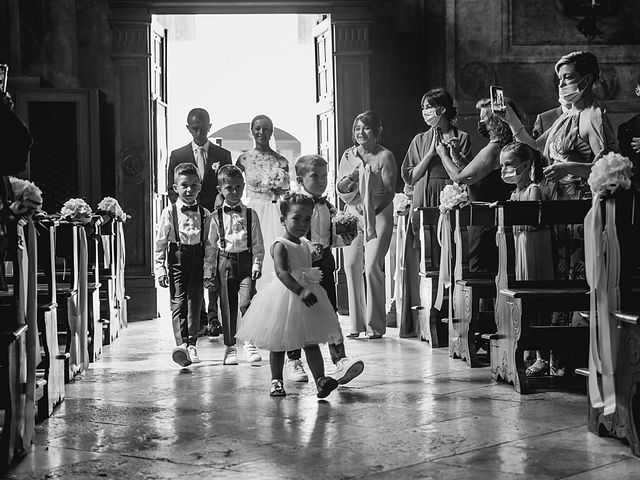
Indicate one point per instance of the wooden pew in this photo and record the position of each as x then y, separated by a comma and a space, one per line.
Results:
107, 275
19, 352
519, 303
624, 423
95, 322
469, 287
72, 294
432, 329
54, 364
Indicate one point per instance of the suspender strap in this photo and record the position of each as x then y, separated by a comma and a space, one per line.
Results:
176, 230
249, 239
202, 234
223, 242
330, 207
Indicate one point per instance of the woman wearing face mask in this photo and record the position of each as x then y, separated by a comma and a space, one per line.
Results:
482, 177
423, 170
579, 136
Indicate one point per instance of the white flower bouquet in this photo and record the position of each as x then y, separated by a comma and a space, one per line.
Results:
111, 207
27, 196
268, 177
401, 204
610, 173
76, 209
452, 196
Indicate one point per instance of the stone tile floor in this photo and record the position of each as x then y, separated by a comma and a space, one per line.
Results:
414, 413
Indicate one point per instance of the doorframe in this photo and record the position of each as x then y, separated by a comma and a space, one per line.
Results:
131, 28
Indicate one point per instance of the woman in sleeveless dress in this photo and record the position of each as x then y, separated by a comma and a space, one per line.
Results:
267, 178
422, 169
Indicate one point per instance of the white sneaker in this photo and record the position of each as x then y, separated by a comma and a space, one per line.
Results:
295, 371
251, 353
230, 356
193, 354
347, 369
180, 355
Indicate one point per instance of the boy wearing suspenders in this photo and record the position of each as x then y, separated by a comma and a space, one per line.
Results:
237, 241
181, 249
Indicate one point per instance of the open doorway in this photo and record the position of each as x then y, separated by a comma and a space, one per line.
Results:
239, 66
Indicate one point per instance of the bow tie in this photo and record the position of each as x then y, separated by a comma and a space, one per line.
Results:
237, 209
320, 200
189, 208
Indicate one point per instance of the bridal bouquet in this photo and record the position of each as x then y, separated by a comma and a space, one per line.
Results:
401, 204
452, 196
76, 209
610, 173
27, 196
110, 206
268, 177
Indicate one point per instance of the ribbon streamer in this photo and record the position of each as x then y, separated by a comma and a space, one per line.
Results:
444, 239
602, 263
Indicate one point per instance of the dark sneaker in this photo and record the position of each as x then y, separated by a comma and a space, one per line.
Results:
326, 385
215, 329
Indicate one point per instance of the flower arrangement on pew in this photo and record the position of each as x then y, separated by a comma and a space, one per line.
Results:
451, 196
610, 173
111, 207
401, 204
27, 197
76, 210
345, 226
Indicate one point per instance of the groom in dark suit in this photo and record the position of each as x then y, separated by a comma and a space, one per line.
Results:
208, 158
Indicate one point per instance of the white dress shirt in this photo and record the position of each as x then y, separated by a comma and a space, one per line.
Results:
189, 225
235, 234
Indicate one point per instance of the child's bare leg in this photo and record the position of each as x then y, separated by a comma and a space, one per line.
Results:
276, 362
314, 359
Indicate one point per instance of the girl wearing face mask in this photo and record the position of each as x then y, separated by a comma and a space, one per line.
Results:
521, 166
423, 170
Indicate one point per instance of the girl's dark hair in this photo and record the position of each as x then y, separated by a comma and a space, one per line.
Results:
439, 97
369, 119
290, 199
526, 154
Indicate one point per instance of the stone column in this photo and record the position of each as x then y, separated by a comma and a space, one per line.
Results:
131, 34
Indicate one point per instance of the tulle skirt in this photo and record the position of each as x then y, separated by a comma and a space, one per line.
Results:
277, 320
269, 215
534, 259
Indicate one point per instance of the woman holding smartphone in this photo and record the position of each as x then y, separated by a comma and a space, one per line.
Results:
482, 176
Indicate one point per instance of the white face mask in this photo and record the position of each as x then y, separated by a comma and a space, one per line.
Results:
511, 174
570, 94
431, 116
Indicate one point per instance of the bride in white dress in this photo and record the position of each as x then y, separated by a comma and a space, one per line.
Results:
267, 179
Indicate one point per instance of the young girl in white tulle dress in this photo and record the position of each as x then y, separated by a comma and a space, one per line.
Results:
522, 166
293, 311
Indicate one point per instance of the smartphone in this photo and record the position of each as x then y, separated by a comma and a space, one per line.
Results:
4, 76
497, 99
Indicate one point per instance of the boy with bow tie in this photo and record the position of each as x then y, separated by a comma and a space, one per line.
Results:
311, 175
237, 242
182, 248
